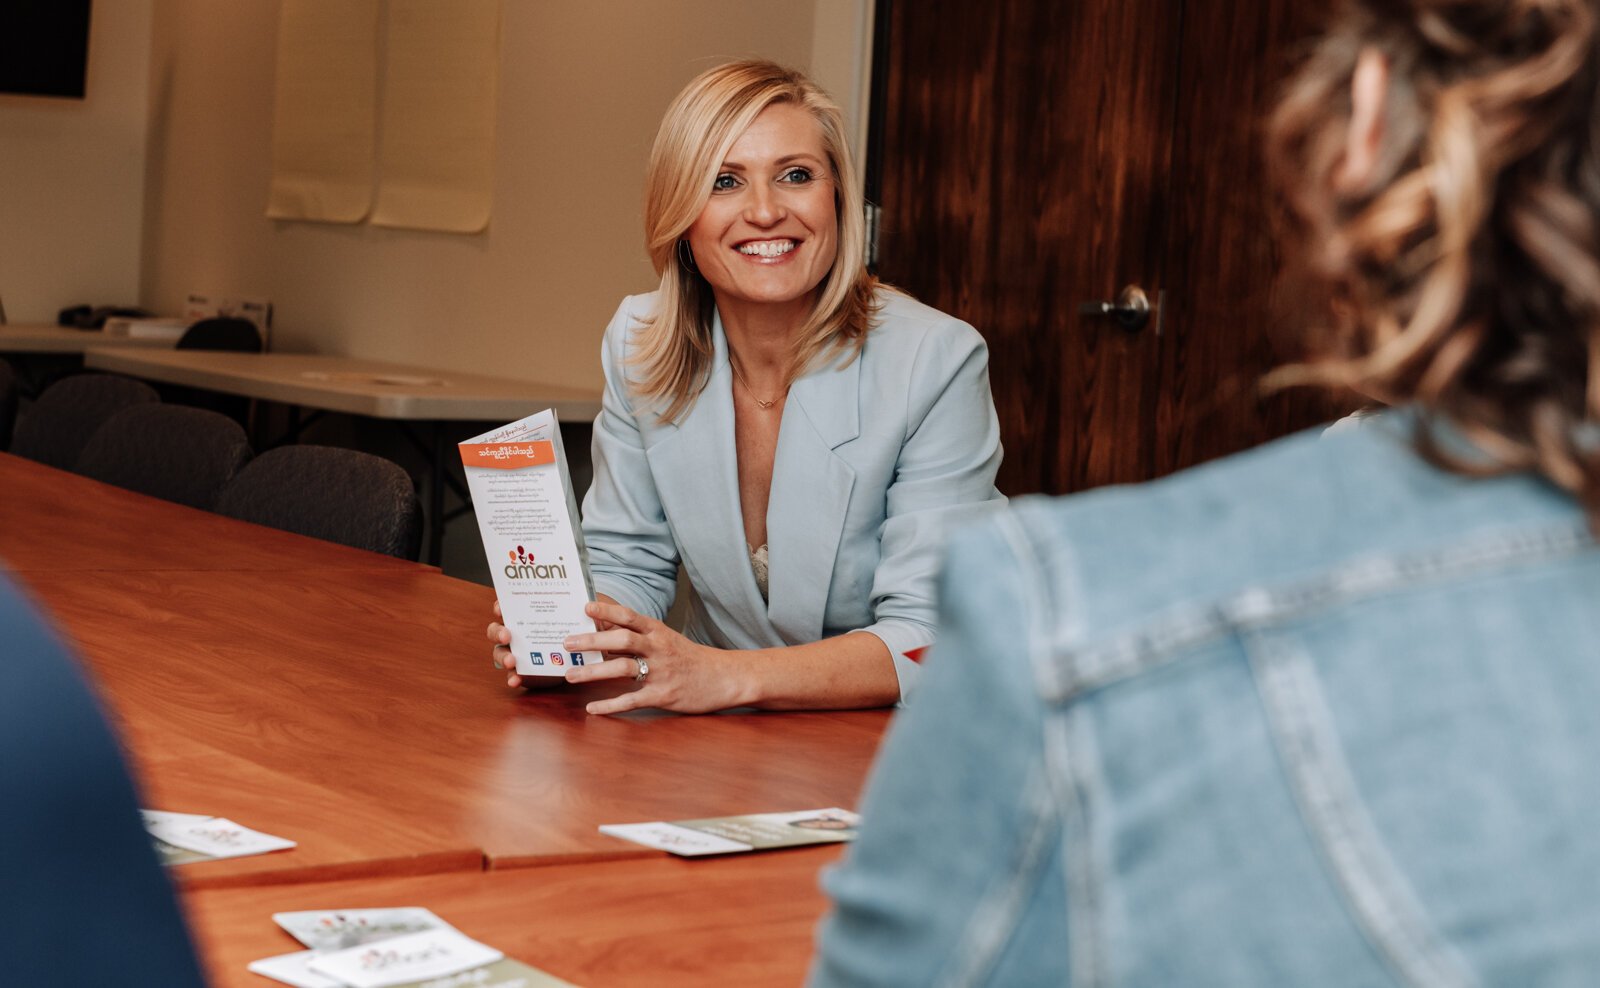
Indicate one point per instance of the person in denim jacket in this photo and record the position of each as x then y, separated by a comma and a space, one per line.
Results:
1323, 713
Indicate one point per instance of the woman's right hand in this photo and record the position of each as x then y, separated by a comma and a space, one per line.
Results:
500, 635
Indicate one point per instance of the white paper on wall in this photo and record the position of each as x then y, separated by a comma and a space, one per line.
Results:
436, 156
325, 111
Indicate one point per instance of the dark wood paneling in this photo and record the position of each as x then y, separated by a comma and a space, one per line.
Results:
1023, 171
1031, 155
1222, 324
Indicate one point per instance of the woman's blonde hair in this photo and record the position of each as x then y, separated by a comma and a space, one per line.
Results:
1466, 277
700, 127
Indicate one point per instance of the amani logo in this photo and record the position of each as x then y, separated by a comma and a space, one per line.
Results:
523, 567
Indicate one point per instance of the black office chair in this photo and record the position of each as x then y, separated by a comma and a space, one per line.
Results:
9, 395
217, 333
339, 495
57, 426
85, 902
222, 333
180, 454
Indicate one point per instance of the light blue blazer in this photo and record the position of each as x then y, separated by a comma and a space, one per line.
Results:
877, 459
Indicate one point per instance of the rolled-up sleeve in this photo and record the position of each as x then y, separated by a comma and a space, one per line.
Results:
943, 478
632, 555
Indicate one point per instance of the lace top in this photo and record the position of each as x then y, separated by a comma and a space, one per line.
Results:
758, 564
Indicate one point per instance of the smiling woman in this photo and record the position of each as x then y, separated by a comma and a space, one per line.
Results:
796, 436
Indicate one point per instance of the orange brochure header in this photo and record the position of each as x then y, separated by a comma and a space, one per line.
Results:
508, 456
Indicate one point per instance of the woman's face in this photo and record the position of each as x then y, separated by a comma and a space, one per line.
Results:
769, 233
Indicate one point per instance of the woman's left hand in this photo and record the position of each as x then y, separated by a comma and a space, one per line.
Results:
683, 676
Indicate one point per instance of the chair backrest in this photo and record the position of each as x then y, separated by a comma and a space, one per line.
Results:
57, 426
222, 333
181, 454
340, 495
8, 403
85, 901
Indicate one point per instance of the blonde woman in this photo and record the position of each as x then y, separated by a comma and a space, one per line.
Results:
1322, 714
796, 436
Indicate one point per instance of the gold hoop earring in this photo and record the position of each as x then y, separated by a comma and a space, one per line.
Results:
686, 257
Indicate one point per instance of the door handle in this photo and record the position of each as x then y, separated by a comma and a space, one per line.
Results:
1130, 310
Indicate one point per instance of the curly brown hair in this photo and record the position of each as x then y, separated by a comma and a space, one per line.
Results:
1465, 276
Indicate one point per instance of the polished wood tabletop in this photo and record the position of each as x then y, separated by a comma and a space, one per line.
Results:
338, 836
377, 684
54, 520
373, 681
346, 701
664, 922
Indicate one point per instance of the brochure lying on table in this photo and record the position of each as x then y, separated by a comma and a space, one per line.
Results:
437, 956
339, 929
184, 837
733, 834
528, 518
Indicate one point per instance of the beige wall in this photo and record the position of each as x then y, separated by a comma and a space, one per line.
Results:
582, 87
71, 178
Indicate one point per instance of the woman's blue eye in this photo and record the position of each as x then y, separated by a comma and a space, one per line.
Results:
724, 182
797, 176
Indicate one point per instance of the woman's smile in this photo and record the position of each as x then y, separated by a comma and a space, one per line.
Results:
768, 251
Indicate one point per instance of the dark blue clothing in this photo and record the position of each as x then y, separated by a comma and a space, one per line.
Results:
82, 900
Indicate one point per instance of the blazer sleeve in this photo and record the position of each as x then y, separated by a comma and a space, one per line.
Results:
944, 473
632, 554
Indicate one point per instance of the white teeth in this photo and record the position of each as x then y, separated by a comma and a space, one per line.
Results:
767, 248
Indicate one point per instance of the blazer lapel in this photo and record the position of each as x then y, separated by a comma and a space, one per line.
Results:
811, 488
698, 482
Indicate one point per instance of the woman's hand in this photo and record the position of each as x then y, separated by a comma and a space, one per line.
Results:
683, 676
500, 635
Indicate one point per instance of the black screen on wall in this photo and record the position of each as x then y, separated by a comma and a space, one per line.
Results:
44, 46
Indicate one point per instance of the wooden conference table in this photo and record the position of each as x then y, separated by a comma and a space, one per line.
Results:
376, 389
345, 700
661, 922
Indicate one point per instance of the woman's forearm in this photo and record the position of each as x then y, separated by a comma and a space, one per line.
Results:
844, 672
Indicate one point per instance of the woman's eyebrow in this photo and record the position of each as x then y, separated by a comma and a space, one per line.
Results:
735, 166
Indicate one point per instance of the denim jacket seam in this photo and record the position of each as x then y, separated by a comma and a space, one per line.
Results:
1050, 665
1066, 670
995, 917
1376, 891
1073, 756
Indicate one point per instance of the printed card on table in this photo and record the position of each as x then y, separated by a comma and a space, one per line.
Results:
166, 853
294, 969
528, 518
338, 929
734, 834
170, 856
216, 837
405, 960
154, 817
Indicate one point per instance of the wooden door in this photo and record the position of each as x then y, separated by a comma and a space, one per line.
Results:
1034, 155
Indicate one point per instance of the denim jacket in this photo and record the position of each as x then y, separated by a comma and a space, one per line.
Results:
1320, 714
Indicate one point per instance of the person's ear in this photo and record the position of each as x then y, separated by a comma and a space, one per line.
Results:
1369, 97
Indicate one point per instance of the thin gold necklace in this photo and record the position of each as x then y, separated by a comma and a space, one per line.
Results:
740, 378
